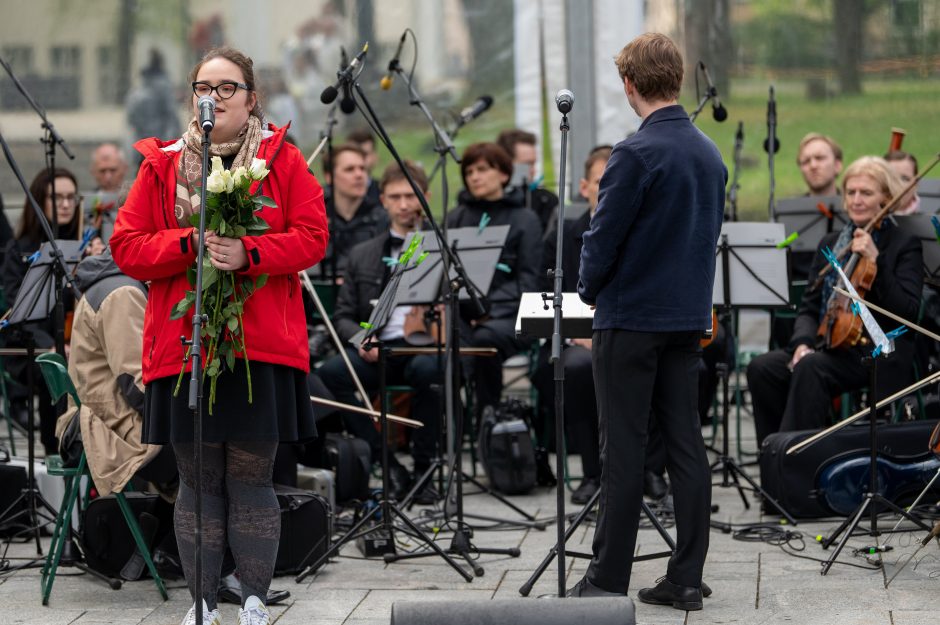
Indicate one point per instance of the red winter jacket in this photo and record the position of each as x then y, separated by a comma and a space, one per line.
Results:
147, 244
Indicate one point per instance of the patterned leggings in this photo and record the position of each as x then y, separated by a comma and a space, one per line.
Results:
238, 502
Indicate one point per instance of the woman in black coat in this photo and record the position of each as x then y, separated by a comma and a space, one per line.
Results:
486, 169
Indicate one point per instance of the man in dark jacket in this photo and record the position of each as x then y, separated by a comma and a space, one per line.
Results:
366, 276
353, 216
648, 264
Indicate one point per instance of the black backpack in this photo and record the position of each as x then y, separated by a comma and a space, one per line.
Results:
506, 449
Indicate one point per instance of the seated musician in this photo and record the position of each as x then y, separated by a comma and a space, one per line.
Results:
366, 276
105, 366
792, 388
27, 239
486, 169
904, 165
353, 216
523, 149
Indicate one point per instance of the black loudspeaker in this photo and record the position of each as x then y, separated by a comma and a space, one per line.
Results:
549, 611
12, 485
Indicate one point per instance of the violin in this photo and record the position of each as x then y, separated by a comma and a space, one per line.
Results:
840, 326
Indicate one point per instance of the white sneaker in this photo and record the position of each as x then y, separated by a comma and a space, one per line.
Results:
208, 618
254, 613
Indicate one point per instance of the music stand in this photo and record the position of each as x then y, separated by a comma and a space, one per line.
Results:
811, 218
921, 227
751, 272
381, 313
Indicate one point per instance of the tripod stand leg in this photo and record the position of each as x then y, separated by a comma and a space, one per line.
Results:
499, 497
737, 484
433, 545
738, 471
336, 546
526, 588
848, 526
658, 525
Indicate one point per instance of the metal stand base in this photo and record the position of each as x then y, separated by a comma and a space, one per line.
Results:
526, 588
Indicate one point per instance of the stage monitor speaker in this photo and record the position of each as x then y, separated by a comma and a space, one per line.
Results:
549, 611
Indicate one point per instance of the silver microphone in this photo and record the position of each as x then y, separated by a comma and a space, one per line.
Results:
206, 106
564, 100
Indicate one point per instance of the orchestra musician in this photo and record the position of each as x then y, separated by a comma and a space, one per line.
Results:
486, 169
792, 388
366, 277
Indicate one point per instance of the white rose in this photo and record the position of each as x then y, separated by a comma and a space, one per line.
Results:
257, 170
228, 180
240, 176
217, 164
215, 183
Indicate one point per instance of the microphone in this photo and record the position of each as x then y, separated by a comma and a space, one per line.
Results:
564, 100
719, 113
387, 79
343, 77
206, 105
482, 104
771, 141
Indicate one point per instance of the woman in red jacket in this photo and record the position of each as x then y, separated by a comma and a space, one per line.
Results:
153, 240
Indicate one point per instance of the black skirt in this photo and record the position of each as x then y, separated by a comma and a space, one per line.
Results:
280, 410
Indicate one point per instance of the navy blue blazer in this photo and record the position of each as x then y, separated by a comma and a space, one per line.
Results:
648, 259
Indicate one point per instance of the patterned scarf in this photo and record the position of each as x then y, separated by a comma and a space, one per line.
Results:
189, 175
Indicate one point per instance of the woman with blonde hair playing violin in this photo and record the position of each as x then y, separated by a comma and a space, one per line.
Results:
792, 388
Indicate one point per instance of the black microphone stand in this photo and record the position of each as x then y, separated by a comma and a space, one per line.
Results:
771, 145
732, 214
33, 498
51, 139
331, 198
444, 146
557, 363
710, 92
195, 376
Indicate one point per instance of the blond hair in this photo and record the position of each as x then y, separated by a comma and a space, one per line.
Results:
878, 170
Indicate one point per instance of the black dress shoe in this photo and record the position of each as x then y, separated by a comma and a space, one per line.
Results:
706, 590
654, 485
399, 481
585, 588
667, 593
585, 491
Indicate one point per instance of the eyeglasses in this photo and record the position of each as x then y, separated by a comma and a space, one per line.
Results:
225, 89
72, 198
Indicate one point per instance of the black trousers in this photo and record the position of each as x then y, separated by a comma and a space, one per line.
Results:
801, 400
635, 373
421, 372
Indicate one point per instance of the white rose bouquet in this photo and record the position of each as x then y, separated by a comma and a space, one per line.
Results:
230, 212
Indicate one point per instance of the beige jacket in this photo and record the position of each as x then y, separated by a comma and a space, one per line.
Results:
105, 365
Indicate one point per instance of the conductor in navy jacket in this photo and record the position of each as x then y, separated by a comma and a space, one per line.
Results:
647, 264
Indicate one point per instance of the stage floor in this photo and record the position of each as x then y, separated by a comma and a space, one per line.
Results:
752, 582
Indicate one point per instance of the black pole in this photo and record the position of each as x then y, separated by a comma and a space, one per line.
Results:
771, 145
558, 365
195, 379
736, 163
872, 363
